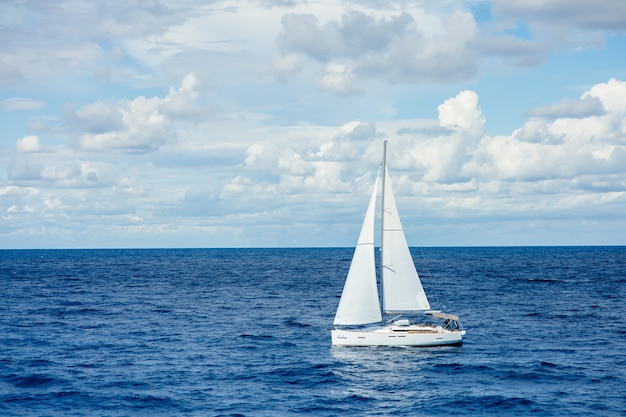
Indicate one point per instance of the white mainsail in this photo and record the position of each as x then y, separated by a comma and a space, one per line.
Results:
401, 286
359, 303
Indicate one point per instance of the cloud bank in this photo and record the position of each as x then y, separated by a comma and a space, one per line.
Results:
559, 163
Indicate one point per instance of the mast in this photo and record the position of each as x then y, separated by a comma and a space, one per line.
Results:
382, 229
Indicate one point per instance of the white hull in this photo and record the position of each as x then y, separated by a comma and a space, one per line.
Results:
391, 336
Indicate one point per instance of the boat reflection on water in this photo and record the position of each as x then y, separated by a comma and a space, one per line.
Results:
378, 377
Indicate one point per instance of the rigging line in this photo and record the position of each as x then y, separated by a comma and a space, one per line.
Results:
383, 168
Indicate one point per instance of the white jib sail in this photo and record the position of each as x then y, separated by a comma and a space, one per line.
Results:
359, 303
402, 289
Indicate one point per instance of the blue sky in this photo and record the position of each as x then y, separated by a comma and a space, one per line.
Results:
260, 123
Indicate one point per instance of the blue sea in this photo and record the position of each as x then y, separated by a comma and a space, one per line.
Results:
246, 332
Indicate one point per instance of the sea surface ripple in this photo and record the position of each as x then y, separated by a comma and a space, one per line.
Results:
246, 332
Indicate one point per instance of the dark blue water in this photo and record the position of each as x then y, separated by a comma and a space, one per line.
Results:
246, 332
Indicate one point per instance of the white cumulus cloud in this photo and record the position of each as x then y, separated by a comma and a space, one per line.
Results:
28, 144
136, 126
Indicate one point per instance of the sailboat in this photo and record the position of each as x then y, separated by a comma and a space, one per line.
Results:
359, 320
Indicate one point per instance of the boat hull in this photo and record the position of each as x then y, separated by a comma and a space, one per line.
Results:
388, 337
